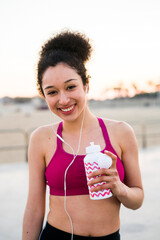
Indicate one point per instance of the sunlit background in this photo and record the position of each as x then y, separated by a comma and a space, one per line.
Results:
125, 36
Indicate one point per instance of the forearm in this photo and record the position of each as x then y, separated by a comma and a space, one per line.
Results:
131, 197
32, 225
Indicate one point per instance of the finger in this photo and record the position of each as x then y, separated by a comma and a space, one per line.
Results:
99, 180
102, 171
100, 187
113, 156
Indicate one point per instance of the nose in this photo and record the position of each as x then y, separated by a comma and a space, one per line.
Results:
63, 99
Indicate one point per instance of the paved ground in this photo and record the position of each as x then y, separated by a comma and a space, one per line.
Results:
142, 224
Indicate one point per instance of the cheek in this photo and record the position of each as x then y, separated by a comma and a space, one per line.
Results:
82, 100
50, 102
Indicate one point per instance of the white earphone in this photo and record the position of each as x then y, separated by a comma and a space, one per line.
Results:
86, 90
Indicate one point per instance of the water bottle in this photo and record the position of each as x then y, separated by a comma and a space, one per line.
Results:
93, 161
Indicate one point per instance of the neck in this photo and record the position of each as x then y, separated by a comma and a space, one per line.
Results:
75, 126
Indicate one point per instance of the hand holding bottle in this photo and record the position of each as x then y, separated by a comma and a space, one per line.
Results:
94, 161
109, 176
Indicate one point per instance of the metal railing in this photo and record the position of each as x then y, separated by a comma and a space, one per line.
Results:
146, 133
24, 146
142, 136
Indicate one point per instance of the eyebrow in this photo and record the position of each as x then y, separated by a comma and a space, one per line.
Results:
67, 81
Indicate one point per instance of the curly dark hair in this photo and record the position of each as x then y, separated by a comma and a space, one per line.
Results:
71, 48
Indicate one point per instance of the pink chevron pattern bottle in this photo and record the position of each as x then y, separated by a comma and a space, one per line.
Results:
93, 161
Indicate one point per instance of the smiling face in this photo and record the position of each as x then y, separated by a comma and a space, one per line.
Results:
64, 91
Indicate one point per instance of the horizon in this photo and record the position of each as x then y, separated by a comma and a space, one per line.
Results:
118, 93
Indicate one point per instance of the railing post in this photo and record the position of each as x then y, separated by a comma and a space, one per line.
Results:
144, 135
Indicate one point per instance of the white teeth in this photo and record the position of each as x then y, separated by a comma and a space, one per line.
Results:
67, 109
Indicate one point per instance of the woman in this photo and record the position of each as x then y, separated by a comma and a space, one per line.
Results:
56, 153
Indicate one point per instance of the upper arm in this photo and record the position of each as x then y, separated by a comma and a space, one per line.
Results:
129, 147
37, 185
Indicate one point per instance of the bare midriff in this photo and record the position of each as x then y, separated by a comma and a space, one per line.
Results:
89, 217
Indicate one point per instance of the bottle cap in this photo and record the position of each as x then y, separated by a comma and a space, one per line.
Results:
93, 148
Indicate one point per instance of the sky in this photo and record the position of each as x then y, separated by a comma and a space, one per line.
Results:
125, 36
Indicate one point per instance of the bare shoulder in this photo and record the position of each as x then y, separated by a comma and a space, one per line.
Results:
122, 131
43, 131
121, 126
41, 135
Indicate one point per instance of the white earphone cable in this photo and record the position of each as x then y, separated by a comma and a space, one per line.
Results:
65, 174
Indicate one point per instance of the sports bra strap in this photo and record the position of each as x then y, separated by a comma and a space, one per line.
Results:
104, 131
101, 123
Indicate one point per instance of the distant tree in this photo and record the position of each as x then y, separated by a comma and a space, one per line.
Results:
157, 87
151, 86
135, 88
120, 89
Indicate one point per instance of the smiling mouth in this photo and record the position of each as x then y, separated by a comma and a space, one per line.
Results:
67, 109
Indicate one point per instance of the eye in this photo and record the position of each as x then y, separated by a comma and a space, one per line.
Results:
51, 93
71, 87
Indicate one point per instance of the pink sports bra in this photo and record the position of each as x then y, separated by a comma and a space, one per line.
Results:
76, 178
